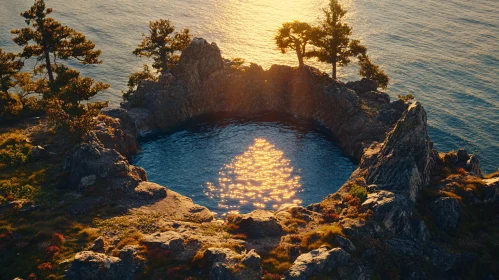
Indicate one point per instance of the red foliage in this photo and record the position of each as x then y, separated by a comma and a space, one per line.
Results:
32, 276
51, 251
271, 276
57, 238
241, 236
347, 197
461, 171
331, 217
46, 266
173, 271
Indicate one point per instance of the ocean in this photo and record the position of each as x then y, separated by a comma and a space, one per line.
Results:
445, 53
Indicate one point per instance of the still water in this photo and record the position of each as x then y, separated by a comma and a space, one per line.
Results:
238, 165
446, 53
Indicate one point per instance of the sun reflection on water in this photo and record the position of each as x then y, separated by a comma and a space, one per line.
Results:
261, 177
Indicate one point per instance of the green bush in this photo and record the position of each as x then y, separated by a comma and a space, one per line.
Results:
14, 155
11, 190
359, 192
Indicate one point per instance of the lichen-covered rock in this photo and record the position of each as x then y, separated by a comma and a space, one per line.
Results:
395, 212
168, 241
446, 212
317, 262
89, 265
117, 134
259, 223
224, 264
91, 163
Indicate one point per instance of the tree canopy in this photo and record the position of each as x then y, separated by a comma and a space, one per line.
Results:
9, 67
333, 41
163, 44
45, 36
295, 36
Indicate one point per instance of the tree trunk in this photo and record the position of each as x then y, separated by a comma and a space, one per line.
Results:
334, 66
300, 57
299, 53
48, 64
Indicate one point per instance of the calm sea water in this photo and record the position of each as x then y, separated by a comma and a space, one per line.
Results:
446, 53
238, 165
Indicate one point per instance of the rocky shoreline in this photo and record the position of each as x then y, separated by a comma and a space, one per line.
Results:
397, 168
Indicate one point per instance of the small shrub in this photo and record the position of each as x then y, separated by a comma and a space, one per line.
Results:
359, 192
52, 251
57, 238
44, 267
406, 97
14, 155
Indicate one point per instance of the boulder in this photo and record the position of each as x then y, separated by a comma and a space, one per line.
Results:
395, 213
317, 262
363, 86
91, 163
446, 213
224, 263
98, 245
117, 134
148, 191
89, 265
344, 243
257, 224
168, 241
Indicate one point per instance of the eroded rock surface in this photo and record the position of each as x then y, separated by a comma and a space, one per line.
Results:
317, 262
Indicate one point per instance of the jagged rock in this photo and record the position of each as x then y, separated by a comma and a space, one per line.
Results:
203, 83
405, 159
462, 155
147, 190
259, 223
91, 160
446, 212
473, 166
317, 262
252, 260
98, 245
226, 264
143, 121
89, 265
198, 61
344, 243
395, 212
363, 86
117, 133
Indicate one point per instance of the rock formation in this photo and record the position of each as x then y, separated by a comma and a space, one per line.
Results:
397, 164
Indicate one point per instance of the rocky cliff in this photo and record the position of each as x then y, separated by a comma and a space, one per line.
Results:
386, 221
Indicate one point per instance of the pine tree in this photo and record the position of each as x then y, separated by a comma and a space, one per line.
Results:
163, 44
70, 109
9, 67
295, 36
372, 71
45, 37
135, 78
